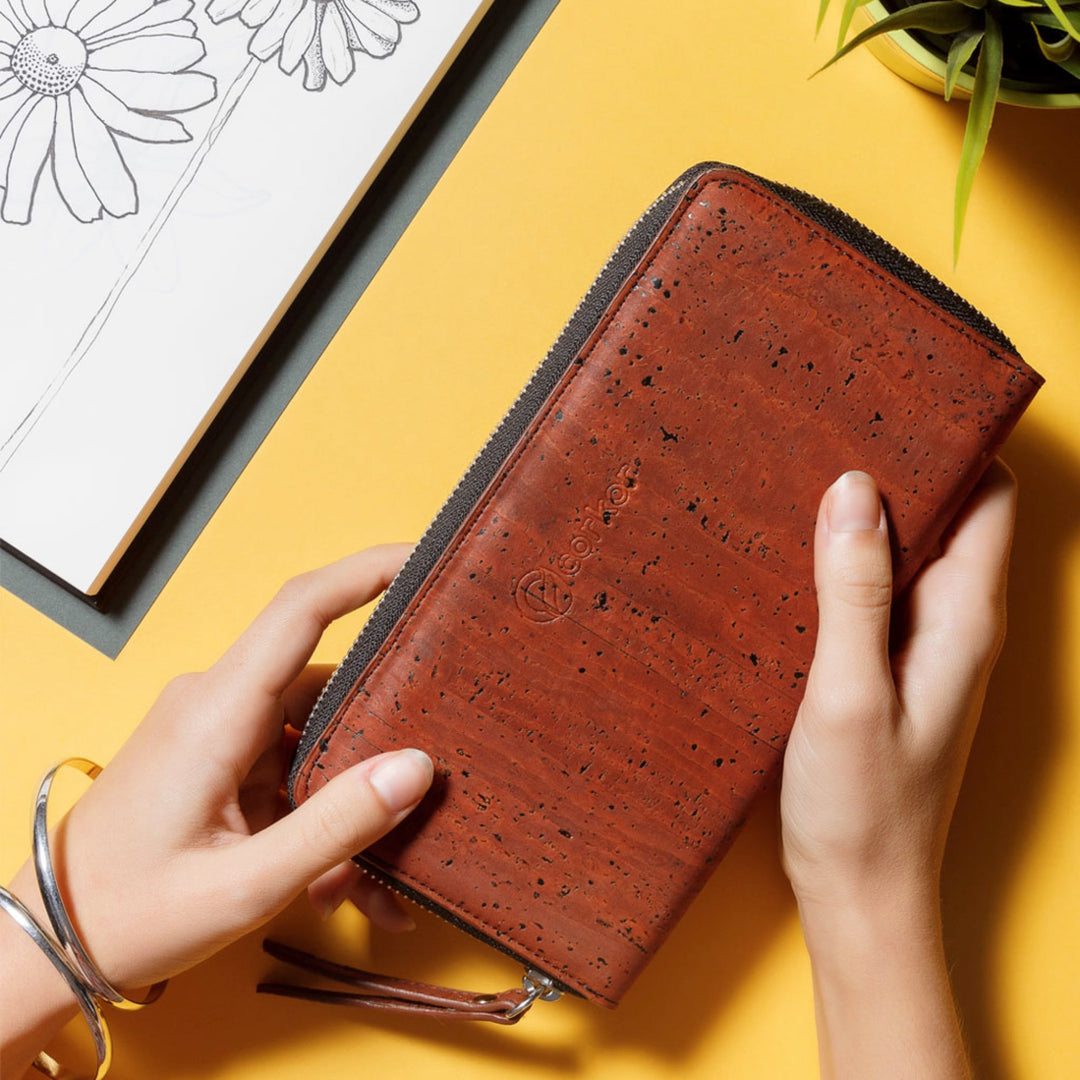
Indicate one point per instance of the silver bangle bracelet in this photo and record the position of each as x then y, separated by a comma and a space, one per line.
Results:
54, 902
83, 994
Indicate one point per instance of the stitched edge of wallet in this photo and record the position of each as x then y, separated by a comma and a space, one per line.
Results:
512, 453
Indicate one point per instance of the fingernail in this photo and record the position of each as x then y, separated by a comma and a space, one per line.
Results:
854, 504
401, 778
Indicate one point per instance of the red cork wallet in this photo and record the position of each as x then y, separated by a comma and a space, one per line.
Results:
603, 637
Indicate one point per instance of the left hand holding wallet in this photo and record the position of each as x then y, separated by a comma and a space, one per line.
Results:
180, 847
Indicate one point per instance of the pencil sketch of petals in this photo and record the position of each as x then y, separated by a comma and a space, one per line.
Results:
29, 146
376, 24
256, 12
297, 40
334, 39
324, 34
75, 76
296, 17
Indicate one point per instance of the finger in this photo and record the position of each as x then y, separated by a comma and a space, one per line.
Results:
329, 891
382, 908
347, 881
956, 607
853, 575
341, 819
276, 646
976, 547
249, 679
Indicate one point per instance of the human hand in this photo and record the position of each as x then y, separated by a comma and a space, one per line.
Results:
180, 846
879, 746
873, 768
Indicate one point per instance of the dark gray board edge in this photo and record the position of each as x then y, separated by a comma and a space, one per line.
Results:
475, 77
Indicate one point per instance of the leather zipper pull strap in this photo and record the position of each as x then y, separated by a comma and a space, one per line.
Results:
404, 995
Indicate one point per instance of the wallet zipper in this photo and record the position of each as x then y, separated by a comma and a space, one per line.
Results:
488, 462
541, 985
407, 576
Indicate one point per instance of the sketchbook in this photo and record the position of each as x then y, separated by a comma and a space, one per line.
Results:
170, 173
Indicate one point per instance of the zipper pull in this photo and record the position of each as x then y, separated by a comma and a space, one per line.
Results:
537, 987
404, 995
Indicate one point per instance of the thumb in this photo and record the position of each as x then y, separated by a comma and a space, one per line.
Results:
853, 575
341, 819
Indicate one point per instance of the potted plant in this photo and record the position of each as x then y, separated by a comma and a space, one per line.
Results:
1021, 52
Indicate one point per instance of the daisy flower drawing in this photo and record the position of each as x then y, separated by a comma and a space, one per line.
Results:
75, 77
324, 34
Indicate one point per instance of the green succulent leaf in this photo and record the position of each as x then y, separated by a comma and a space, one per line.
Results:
1058, 50
821, 12
980, 116
960, 51
1067, 23
979, 4
1072, 17
1021, 3
937, 16
1072, 66
1041, 18
850, 7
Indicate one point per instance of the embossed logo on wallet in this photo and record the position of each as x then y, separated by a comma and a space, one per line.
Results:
544, 595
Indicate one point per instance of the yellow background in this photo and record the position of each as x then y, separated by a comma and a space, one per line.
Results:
612, 101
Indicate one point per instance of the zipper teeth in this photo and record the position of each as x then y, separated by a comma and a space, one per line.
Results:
418, 898
681, 182
949, 299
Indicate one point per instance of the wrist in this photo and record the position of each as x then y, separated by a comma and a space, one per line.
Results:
857, 952
881, 986
885, 918
35, 1001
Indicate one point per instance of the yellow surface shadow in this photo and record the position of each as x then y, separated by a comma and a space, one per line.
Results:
215, 1019
1003, 803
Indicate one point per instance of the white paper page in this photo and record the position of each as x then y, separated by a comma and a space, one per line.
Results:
119, 337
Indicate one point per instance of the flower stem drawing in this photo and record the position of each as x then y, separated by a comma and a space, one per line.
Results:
121, 66
225, 109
